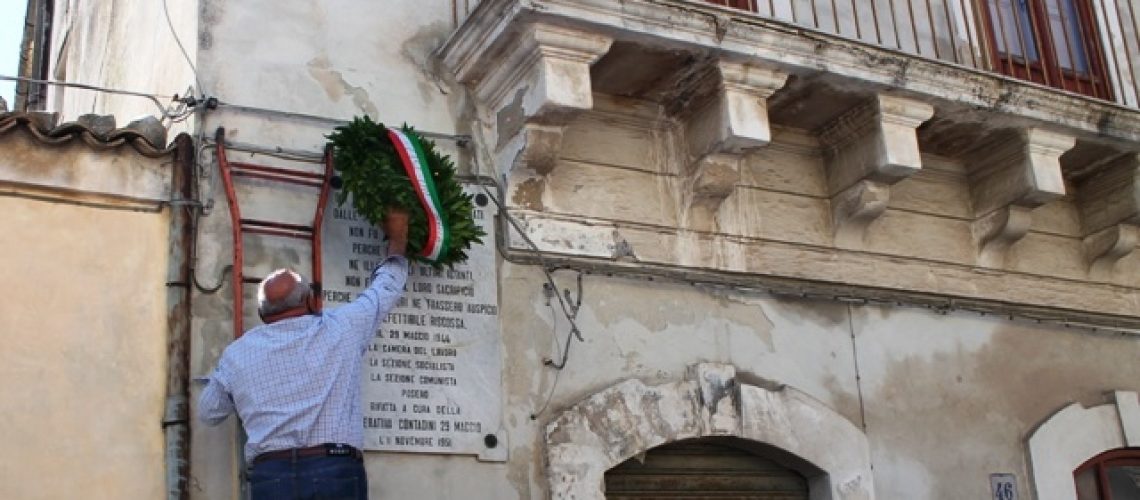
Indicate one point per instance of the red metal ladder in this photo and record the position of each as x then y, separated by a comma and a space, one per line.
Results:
241, 226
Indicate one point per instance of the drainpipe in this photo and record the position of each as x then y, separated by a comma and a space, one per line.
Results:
35, 53
28, 46
176, 418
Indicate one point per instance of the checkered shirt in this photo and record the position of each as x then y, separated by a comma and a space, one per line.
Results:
296, 383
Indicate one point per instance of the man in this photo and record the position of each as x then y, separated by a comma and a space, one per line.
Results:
295, 381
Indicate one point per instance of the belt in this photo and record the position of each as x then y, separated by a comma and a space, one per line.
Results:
320, 450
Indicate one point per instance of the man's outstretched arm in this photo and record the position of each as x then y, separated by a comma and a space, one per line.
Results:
388, 278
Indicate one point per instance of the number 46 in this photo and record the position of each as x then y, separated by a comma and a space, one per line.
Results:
1004, 489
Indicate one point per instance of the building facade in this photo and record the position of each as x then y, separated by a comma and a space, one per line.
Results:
786, 249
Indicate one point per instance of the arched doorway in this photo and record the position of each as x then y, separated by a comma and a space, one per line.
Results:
704, 468
629, 418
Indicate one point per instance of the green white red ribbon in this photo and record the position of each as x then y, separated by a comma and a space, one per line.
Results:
416, 165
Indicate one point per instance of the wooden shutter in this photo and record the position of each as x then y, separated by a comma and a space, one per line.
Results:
696, 470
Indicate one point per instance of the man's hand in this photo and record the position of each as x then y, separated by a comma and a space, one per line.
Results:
395, 225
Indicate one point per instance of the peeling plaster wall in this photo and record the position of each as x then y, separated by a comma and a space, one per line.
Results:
948, 399
951, 399
84, 328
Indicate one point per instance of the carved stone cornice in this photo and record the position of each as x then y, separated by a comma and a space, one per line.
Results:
811, 270
855, 208
1010, 176
1109, 205
713, 178
531, 89
1107, 246
547, 72
735, 119
996, 232
535, 147
1112, 196
730, 123
868, 149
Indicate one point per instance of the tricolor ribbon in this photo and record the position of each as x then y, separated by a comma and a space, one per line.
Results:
415, 164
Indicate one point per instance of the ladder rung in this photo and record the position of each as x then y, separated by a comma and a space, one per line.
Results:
254, 226
277, 225
287, 172
278, 232
278, 178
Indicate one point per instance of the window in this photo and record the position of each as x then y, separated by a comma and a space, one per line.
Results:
1052, 42
749, 5
1112, 475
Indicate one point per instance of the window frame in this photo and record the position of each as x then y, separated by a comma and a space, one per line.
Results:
1100, 465
746, 5
1047, 69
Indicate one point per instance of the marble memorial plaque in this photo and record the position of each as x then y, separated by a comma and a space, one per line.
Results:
431, 381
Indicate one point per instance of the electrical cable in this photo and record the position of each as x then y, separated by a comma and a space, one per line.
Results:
199, 211
169, 23
557, 373
461, 140
221, 279
565, 354
566, 309
855, 361
154, 98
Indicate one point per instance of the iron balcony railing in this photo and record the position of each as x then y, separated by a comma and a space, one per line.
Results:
1088, 47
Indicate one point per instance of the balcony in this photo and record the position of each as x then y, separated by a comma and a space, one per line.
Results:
1082, 46
781, 145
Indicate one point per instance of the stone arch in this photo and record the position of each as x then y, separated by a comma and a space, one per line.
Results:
611, 426
1075, 434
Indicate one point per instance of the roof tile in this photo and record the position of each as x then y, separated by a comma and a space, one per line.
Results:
146, 135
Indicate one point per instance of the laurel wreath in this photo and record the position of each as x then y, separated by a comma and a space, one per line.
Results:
372, 173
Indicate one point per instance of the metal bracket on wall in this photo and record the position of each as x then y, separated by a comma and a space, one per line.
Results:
241, 226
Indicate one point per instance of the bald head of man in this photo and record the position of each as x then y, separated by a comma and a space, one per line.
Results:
284, 294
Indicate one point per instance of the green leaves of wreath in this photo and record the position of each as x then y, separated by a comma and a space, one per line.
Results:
372, 172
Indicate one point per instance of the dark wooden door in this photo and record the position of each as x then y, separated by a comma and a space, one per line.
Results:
700, 470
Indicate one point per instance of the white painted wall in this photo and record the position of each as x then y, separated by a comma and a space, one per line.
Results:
123, 45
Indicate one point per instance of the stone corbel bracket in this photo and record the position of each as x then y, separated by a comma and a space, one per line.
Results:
537, 87
1109, 204
867, 150
1013, 174
729, 124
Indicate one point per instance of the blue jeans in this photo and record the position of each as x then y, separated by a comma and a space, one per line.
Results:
309, 478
